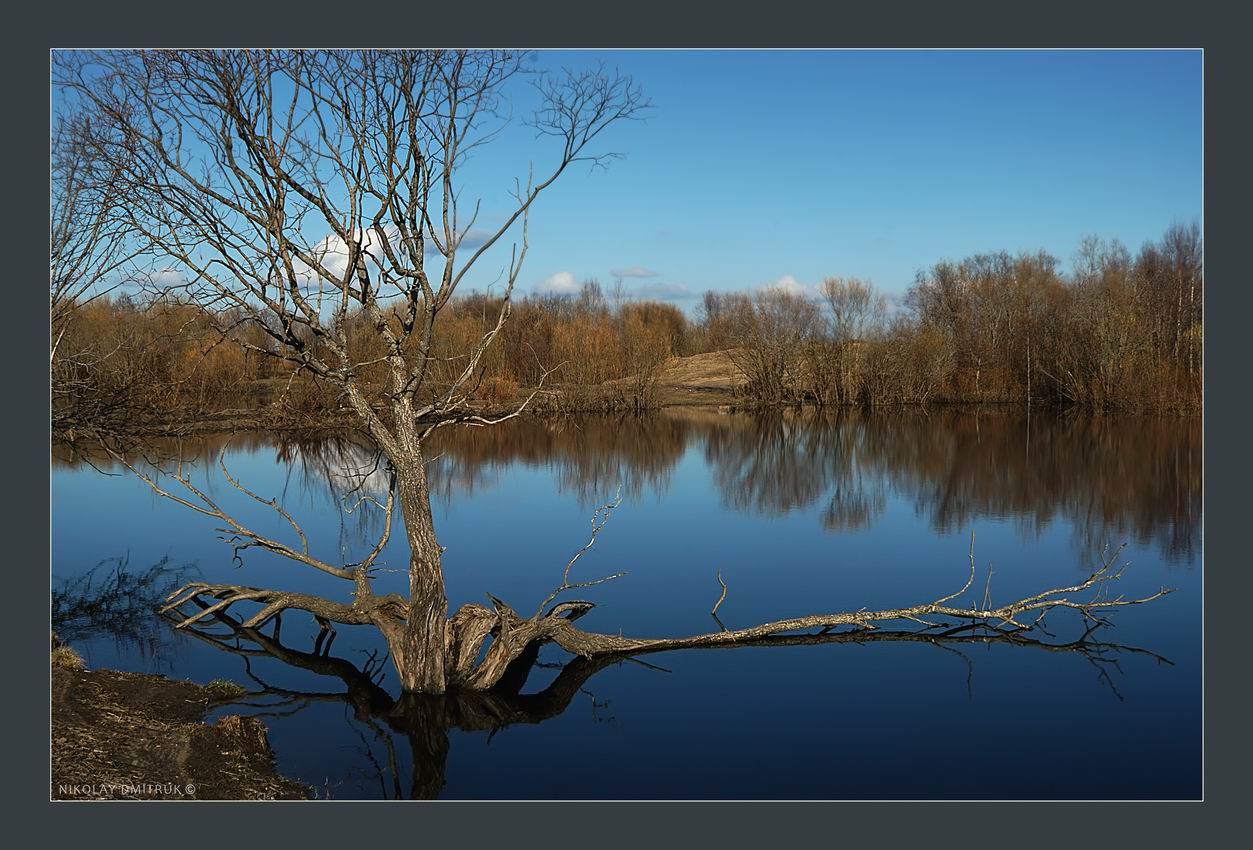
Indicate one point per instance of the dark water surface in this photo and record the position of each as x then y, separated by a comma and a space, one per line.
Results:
801, 513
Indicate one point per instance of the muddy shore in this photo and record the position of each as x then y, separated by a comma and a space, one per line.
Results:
135, 736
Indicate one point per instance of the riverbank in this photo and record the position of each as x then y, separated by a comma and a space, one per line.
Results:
135, 736
701, 380
708, 381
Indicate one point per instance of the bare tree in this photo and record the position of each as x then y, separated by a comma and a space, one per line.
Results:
302, 189
775, 326
854, 310
89, 245
302, 193
86, 240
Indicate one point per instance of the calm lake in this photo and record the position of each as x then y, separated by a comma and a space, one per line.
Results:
801, 513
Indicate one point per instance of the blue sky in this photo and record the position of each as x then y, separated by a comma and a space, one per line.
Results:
754, 166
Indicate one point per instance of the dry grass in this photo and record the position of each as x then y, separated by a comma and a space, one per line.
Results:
65, 658
715, 370
222, 689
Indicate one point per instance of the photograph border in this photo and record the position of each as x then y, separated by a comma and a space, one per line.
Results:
1109, 27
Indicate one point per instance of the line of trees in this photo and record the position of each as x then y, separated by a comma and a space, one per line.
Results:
1119, 332
140, 359
1116, 333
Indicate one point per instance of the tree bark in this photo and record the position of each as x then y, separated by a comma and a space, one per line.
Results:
418, 644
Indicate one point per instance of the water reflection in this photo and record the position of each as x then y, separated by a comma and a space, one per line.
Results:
592, 456
114, 602
422, 723
1109, 478
793, 508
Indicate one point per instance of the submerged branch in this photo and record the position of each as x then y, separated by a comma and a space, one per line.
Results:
515, 640
1001, 619
514, 635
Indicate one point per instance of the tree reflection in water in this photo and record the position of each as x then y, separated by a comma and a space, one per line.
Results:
1110, 478
113, 601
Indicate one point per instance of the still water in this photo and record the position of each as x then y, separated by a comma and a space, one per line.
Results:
801, 513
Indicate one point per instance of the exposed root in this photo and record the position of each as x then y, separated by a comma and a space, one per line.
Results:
212, 599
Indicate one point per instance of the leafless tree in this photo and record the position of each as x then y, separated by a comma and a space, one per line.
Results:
87, 241
776, 326
89, 245
854, 311
304, 188
303, 193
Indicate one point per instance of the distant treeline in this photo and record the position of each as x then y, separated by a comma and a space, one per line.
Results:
1118, 332
153, 360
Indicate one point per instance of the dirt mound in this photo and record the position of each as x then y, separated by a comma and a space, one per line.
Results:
715, 370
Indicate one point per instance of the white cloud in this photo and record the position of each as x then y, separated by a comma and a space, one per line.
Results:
169, 277
561, 283
332, 254
791, 286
